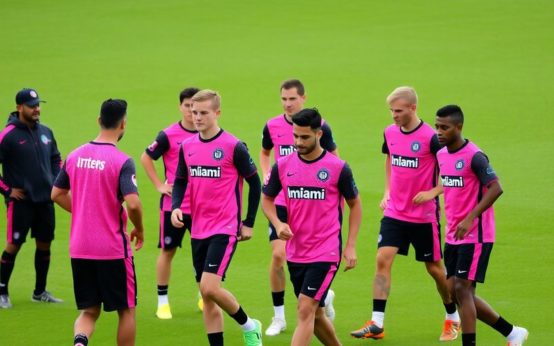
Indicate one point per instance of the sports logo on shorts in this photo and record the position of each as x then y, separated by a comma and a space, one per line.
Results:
323, 175
218, 154
45, 139
379, 238
460, 164
15, 235
416, 146
167, 240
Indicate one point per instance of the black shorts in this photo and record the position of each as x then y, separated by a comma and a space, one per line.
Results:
282, 215
213, 254
24, 215
425, 238
467, 261
170, 236
111, 282
312, 279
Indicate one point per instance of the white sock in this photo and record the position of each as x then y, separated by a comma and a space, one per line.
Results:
453, 317
249, 325
328, 300
378, 318
279, 311
163, 300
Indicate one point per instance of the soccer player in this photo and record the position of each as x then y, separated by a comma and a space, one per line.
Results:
411, 210
314, 182
277, 136
213, 165
167, 146
30, 161
470, 189
92, 185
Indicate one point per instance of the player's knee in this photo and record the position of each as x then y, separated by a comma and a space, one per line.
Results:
208, 291
278, 259
461, 290
384, 262
305, 312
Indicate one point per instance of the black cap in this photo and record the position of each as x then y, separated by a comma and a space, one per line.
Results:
28, 97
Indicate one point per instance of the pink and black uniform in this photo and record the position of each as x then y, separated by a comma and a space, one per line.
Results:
99, 176
413, 169
212, 171
277, 135
465, 175
167, 146
313, 191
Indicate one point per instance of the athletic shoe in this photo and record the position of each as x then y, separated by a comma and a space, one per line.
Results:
276, 327
164, 312
369, 331
450, 330
5, 302
253, 337
200, 303
329, 309
518, 336
45, 297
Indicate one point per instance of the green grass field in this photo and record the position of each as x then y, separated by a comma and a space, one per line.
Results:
493, 58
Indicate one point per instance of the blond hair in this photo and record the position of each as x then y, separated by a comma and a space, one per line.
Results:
405, 93
207, 94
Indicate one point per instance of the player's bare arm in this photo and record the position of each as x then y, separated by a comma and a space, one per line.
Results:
134, 209
386, 194
61, 197
354, 222
265, 163
494, 191
150, 170
426, 196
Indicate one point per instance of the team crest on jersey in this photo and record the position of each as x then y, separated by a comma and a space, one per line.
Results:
459, 164
153, 146
323, 175
416, 146
45, 139
218, 154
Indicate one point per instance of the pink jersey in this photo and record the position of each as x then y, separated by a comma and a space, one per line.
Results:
464, 185
99, 175
167, 145
313, 194
215, 172
278, 136
413, 169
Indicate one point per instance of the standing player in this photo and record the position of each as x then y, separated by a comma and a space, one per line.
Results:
314, 182
100, 178
167, 146
411, 210
277, 135
213, 165
470, 189
30, 163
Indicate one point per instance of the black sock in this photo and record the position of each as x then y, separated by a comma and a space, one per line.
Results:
6, 268
379, 305
502, 326
80, 339
215, 339
240, 316
278, 298
42, 263
162, 290
450, 308
468, 339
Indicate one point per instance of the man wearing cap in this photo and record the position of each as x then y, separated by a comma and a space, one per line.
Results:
30, 161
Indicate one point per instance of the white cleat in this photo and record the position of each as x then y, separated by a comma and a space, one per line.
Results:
5, 302
329, 309
518, 336
276, 327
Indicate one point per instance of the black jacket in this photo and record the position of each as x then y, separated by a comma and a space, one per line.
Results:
30, 159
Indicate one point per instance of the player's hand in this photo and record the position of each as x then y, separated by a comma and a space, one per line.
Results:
284, 232
139, 236
165, 189
17, 194
384, 202
177, 218
422, 197
245, 233
350, 258
463, 228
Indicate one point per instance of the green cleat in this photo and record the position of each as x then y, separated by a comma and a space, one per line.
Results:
253, 337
